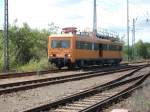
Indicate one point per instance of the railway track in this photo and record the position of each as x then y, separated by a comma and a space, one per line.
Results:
23, 74
25, 85
96, 98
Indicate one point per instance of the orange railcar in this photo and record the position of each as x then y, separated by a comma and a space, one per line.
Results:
72, 48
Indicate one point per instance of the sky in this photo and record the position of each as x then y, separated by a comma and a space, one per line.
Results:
111, 15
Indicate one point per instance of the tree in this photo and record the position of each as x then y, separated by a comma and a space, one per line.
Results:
126, 53
53, 28
28, 44
147, 45
141, 49
20, 44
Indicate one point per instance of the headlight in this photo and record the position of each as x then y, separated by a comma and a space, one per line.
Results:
67, 55
52, 55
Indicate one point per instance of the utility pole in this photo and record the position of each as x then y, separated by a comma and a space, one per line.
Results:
133, 39
6, 42
94, 18
128, 26
94, 23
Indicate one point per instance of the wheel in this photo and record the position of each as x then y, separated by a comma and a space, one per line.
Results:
80, 64
71, 66
59, 67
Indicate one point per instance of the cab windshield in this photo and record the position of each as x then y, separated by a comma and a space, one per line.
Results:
60, 44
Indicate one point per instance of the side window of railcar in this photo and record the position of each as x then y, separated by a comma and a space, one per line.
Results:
117, 48
120, 48
96, 46
104, 47
79, 45
88, 45
113, 48
108, 48
83, 45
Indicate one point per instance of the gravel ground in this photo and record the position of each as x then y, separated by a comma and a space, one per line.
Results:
18, 101
138, 102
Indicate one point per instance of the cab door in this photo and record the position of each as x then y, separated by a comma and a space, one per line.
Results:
100, 50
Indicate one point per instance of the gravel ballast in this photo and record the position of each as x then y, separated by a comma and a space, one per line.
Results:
23, 100
139, 100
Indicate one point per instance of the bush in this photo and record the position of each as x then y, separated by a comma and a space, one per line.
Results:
35, 65
1, 64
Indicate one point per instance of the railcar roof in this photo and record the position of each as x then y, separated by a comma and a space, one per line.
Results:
86, 38
61, 35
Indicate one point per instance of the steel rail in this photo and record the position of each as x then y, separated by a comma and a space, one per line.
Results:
23, 74
85, 93
117, 97
63, 77
25, 85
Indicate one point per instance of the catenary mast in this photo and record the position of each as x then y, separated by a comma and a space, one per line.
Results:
6, 42
94, 18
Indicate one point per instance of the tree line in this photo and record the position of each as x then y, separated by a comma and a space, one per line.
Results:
27, 46
141, 50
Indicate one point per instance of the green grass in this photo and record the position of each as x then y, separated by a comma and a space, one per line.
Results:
1, 62
35, 65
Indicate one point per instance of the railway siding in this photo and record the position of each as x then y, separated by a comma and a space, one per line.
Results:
138, 102
16, 77
22, 100
86, 96
25, 85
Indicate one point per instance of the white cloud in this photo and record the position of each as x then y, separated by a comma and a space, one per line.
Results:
111, 14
